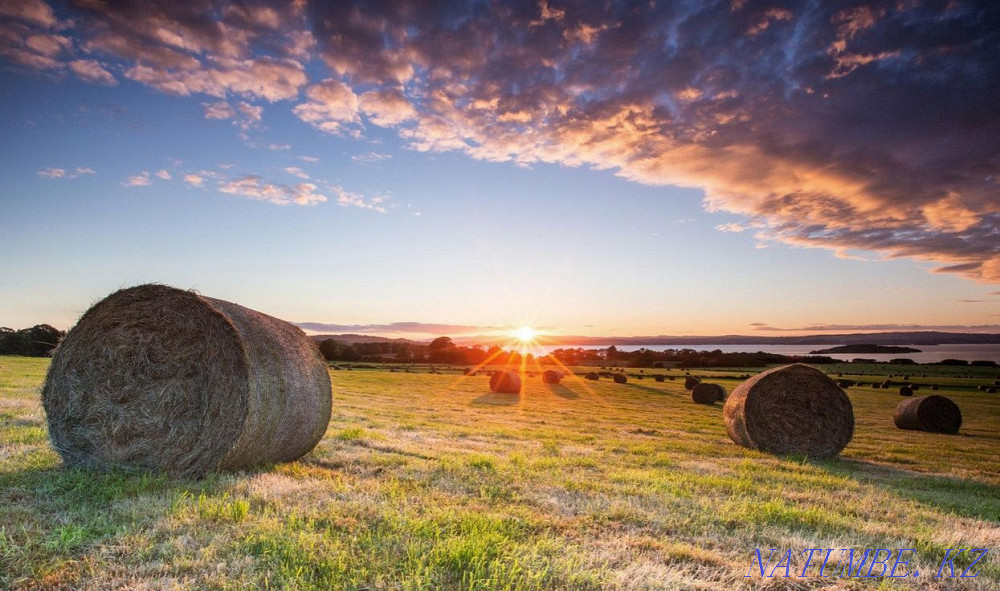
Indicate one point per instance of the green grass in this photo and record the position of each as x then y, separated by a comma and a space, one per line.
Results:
429, 482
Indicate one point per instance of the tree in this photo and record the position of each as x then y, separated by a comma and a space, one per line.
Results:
330, 349
441, 350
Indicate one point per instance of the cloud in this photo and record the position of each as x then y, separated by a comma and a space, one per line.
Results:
987, 328
308, 158
59, 173
163, 174
331, 105
219, 110
349, 199
296, 171
279, 147
369, 157
137, 180
395, 327
52, 173
865, 128
852, 127
194, 179
253, 187
92, 71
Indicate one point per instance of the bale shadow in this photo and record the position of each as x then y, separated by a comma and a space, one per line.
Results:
497, 399
968, 498
563, 391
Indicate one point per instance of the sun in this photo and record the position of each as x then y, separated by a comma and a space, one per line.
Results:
525, 334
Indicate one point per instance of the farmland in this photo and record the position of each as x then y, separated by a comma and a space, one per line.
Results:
427, 481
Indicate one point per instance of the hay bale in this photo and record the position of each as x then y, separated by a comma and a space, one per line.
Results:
790, 409
620, 378
691, 382
551, 376
991, 390
505, 382
905, 391
914, 387
935, 414
705, 393
659, 378
934, 387
592, 375
154, 377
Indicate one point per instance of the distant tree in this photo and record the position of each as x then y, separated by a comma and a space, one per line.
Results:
330, 350
43, 338
441, 350
349, 353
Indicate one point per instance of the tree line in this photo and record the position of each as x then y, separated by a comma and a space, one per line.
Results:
37, 341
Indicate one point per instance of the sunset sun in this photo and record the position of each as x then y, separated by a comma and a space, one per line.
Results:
525, 334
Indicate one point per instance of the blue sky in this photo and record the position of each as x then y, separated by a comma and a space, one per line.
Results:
296, 178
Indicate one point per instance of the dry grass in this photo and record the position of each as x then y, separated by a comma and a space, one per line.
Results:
429, 482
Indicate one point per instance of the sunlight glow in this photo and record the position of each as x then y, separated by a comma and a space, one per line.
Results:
525, 334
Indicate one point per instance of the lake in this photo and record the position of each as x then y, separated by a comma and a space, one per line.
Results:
928, 354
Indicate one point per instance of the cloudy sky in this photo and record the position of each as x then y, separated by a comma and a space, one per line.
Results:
416, 168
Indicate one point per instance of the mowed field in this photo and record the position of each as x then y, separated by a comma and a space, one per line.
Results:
428, 481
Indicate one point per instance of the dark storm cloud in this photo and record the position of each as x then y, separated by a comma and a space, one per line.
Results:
848, 126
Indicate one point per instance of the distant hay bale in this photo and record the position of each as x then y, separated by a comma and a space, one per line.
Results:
620, 378
659, 378
934, 387
505, 382
592, 375
905, 391
914, 387
153, 377
691, 382
551, 376
991, 390
846, 383
790, 409
705, 393
935, 414
887, 384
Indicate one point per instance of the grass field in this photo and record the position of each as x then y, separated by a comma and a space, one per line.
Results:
429, 482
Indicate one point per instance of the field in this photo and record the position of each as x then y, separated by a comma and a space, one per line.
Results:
427, 481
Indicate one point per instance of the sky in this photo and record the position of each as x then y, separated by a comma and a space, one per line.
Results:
420, 168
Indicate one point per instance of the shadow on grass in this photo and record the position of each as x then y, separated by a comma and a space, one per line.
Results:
497, 399
563, 391
965, 498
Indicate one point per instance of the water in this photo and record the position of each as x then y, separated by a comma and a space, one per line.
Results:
928, 354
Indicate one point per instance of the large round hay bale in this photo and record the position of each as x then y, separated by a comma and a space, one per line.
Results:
691, 382
705, 393
592, 375
551, 376
505, 382
154, 377
933, 413
905, 391
659, 378
620, 378
790, 409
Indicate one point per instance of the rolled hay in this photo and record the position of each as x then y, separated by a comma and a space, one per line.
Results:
905, 391
991, 390
690, 383
935, 414
659, 378
154, 377
620, 378
505, 382
551, 376
592, 375
914, 387
790, 409
934, 387
705, 393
